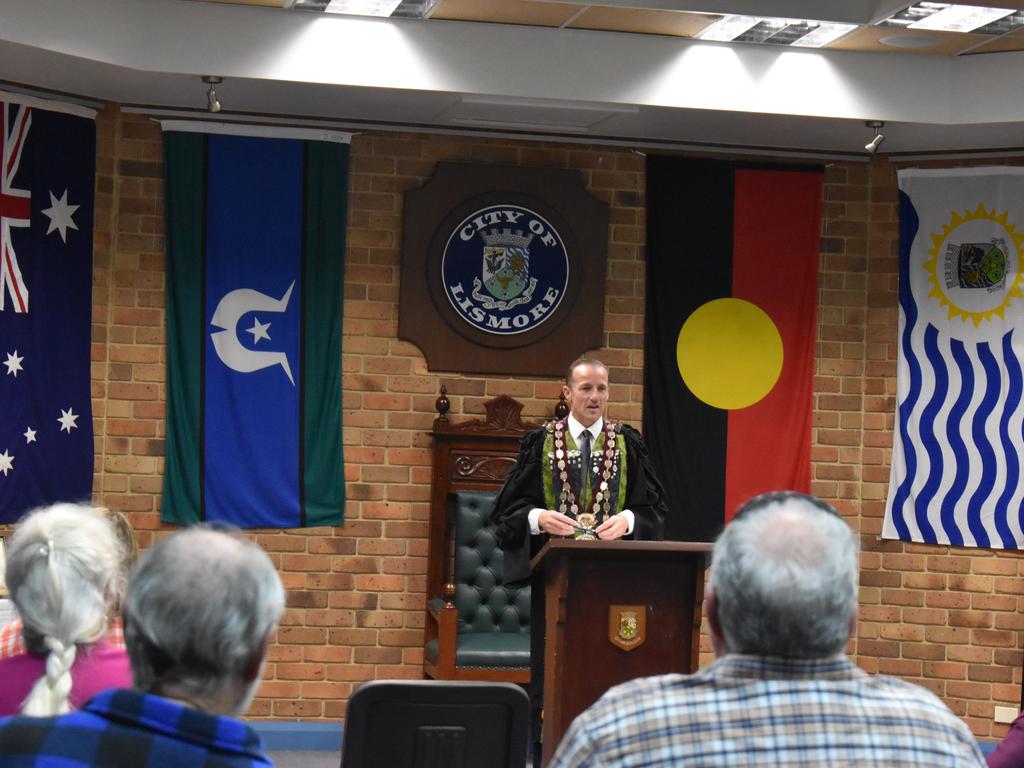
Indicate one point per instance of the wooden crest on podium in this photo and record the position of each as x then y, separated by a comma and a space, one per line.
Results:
627, 626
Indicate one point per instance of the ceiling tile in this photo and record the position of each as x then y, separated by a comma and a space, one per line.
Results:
268, 3
678, 23
1014, 42
522, 12
868, 39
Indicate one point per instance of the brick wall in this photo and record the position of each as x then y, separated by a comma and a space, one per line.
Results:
943, 617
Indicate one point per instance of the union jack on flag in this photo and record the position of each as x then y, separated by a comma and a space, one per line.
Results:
14, 206
956, 474
46, 212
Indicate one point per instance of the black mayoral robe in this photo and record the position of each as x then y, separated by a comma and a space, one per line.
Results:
524, 491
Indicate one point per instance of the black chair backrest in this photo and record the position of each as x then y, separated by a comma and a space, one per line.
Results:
436, 724
484, 602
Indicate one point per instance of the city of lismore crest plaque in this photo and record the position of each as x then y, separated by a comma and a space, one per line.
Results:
503, 269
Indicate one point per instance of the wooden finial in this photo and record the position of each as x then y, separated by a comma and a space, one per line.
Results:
562, 409
448, 590
442, 404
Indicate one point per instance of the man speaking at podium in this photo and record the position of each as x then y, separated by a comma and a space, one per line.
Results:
583, 476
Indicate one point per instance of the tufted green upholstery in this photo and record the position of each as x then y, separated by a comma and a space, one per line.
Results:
493, 619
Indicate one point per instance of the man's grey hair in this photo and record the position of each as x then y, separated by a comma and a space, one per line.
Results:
199, 609
63, 574
785, 574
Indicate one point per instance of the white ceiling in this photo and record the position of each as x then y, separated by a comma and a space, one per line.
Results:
639, 89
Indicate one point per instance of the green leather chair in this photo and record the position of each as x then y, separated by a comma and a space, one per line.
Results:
483, 625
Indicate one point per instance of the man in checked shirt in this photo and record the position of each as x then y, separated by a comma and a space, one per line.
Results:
781, 604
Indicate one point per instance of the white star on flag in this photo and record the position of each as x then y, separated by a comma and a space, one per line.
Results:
59, 213
6, 463
259, 330
30, 435
13, 364
67, 420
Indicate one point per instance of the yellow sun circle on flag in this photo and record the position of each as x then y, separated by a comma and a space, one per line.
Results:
729, 353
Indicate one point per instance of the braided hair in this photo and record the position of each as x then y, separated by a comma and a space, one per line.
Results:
62, 574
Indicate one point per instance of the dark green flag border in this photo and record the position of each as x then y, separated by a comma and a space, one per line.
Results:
183, 500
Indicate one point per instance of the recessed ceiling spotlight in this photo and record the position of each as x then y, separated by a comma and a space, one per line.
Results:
909, 41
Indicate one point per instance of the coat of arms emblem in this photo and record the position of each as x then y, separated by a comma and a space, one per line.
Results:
506, 269
977, 265
627, 626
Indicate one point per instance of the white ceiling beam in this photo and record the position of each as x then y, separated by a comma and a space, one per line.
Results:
153, 52
176, 37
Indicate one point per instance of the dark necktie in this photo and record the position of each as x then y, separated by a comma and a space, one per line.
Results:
585, 439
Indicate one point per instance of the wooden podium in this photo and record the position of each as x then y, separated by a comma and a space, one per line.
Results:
615, 610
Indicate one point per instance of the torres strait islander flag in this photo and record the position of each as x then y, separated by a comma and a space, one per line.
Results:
47, 177
256, 243
732, 281
956, 474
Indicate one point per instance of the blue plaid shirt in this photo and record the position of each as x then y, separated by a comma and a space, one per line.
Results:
747, 710
128, 729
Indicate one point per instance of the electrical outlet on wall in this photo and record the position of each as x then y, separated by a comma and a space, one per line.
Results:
1005, 714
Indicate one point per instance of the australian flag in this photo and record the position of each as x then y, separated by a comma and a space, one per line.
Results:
46, 214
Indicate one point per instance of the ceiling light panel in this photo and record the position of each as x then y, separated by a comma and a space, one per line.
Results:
774, 31
948, 17
728, 28
363, 7
823, 34
414, 9
1000, 27
803, 33
961, 18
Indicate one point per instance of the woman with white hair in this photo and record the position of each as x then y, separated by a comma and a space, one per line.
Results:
63, 574
11, 641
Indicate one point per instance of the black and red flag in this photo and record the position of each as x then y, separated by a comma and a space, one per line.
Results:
732, 280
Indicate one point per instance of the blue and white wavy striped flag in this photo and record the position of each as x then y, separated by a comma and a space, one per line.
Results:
956, 467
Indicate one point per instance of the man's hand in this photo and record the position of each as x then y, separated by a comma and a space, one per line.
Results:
614, 527
555, 523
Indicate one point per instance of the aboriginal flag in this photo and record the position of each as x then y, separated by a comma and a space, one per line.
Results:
732, 280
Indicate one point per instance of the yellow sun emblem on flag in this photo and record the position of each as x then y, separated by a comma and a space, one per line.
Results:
974, 276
